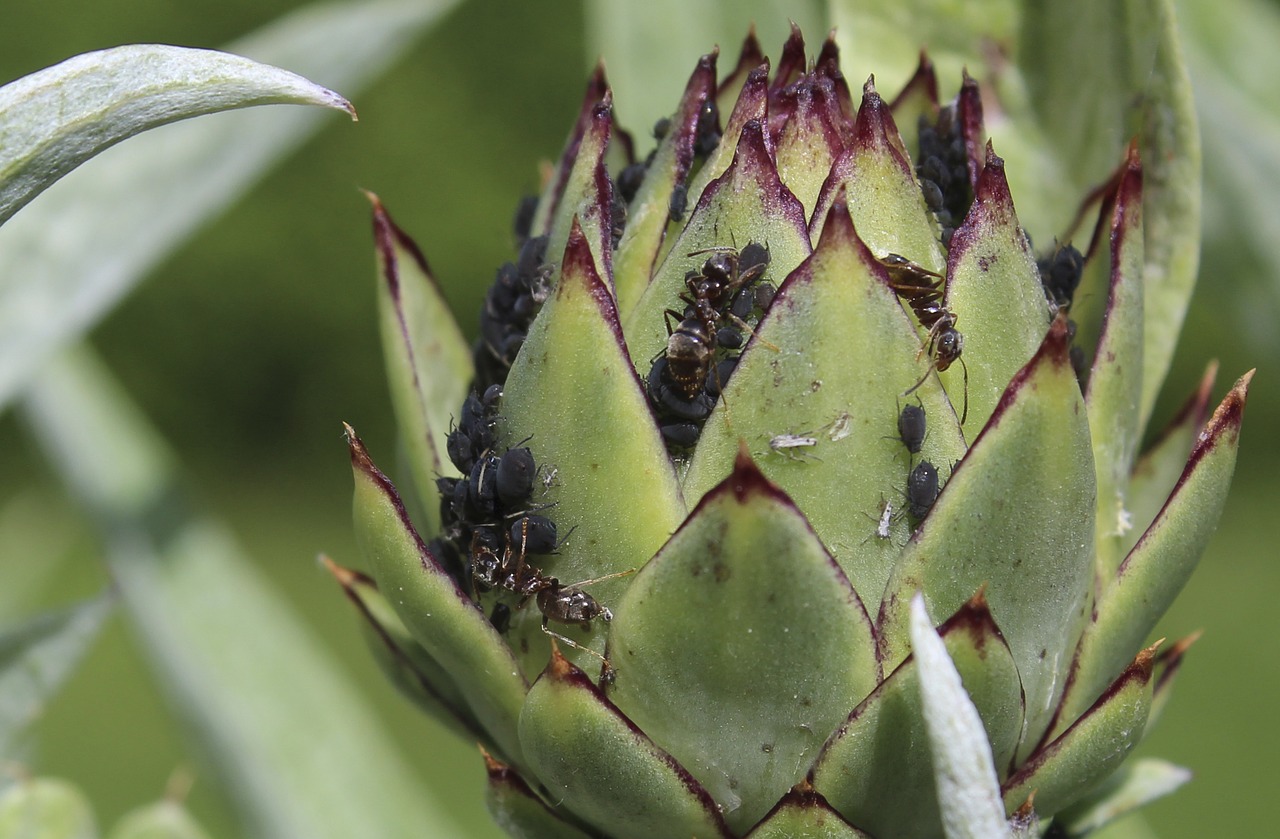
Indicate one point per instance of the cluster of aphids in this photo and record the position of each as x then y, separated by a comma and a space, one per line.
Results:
923, 291
1060, 274
517, 294
489, 529
922, 480
705, 140
703, 341
943, 171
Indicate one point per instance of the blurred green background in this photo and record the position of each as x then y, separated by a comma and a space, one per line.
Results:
250, 345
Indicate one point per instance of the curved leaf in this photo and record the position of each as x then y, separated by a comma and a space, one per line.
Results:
518, 810
72, 255
53, 120
804, 814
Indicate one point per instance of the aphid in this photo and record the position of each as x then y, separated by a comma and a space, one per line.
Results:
922, 489
911, 427
536, 534
515, 474
500, 617
922, 289
790, 446
1060, 274
679, 203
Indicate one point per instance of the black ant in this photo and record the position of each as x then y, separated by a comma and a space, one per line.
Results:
922, 289
510, 571
686, 378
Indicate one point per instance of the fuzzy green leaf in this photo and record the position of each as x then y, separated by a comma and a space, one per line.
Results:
1033, 464
216, 631
1115, 380
846, 352
748, 203
55, 278
163, 820
446, 622
1134, 785
53, 120
519, 811
45, 808
37, 656
963, 767
994, 290
428, 361
573, 393
1092, 748
877, 769
804, 814
602, 768
1160, 564
740, 678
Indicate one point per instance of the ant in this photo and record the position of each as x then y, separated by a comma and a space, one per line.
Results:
922, 289
687, 377
510, 571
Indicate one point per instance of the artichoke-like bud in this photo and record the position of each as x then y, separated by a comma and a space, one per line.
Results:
741, 416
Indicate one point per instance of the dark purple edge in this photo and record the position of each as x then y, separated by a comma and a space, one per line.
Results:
925, 78
598, 136
701, 86
1224, 424
822, 107
750, 56
828, 66
1126, 212
802, 796
386, 236
1191, 414
992, 205
361, 461
502, 775
752, 102
562, 670
1169, 661
791, 63
1139, 672
874, 128
597, 90
349, 589
969, 112
752, 159
1053, 350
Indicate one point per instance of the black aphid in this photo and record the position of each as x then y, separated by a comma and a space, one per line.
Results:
911, 427
922, 489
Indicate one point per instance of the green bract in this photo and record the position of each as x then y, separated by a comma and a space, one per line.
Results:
678, 588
